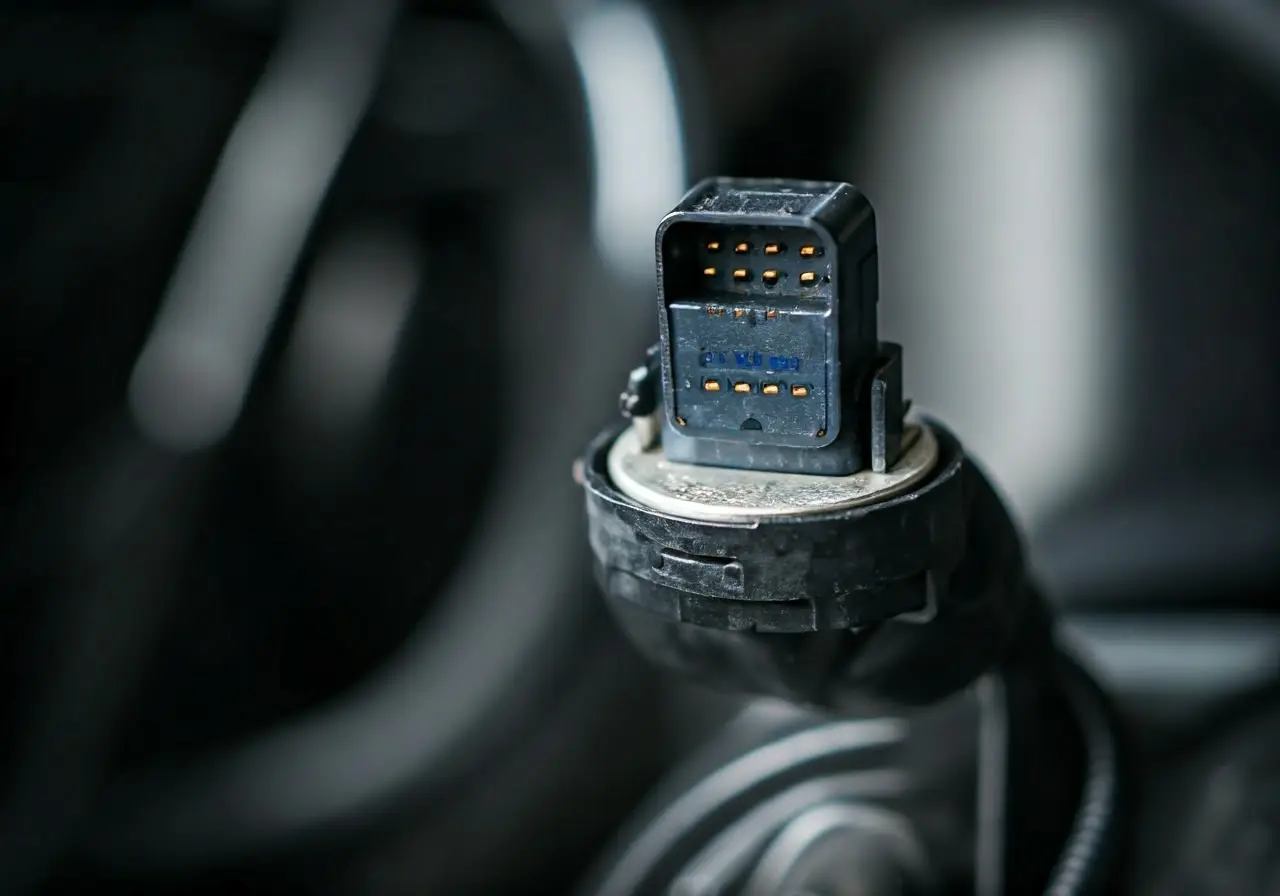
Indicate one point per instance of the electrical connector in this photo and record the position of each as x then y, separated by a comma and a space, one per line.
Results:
770, 357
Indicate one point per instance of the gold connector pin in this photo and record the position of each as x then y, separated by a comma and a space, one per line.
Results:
770, 277
772, 248
808, 251
800, 391
711, 385
741, 387
708, 272
741, 274
771, 314
769, 388
742, 248
713, 246
808, 278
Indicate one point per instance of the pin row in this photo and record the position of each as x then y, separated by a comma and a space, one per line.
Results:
769, 249
712, 384
721, 311
770, 277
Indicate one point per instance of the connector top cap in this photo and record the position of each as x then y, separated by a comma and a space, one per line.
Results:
766, 287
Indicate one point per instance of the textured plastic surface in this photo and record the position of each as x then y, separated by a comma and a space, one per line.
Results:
767, 294
889, 606
812, 608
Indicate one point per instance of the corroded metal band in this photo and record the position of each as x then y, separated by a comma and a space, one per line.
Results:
729, 495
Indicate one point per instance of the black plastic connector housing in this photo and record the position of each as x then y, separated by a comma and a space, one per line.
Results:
767, 292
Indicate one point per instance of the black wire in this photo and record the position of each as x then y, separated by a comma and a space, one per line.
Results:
1087, 860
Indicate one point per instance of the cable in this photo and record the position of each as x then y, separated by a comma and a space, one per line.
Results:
1086, 860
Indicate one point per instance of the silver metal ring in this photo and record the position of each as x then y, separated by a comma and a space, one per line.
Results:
728, 495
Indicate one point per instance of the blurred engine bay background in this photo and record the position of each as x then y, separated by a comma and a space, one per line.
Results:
307, 308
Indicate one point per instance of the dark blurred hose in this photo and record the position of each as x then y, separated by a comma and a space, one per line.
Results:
476, 677
127, 541
102, 624
1249, 30
473, 681
193, 375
